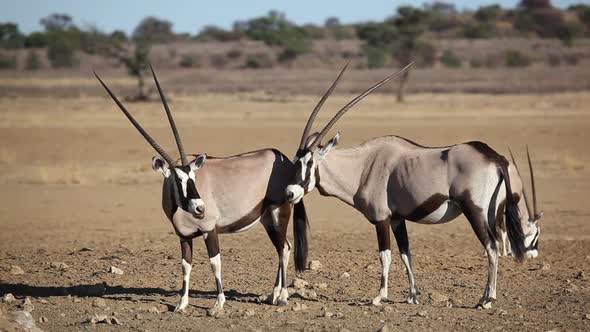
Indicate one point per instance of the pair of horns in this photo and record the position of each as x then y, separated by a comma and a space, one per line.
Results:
535, 214
148, 138
343, 110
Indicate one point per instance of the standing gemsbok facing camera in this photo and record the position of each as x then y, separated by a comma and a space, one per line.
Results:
391, 179
227, 195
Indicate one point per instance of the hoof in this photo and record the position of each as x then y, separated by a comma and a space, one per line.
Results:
377, 301
412, 300
484, 305
180, 307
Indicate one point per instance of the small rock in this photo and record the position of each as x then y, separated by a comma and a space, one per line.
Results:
315, 265
8, 298
58, 265
98, 318
339, 315
587, 316
502, 312
86, 249
299, 307
299, 283
580, 275
321, 285
280, 309
311, 294
76, 300
438, 297
162, 307
383, 328
115, 270
99, 303
344, 330
369, 267
115, 321
27, 305
345, 275
138, 316
62, 315
43, 319
44, 301
325, 313
16, 270
545, 266
422, 313
249, 313
25, 320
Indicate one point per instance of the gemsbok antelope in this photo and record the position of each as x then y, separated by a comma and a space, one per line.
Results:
392, 179
238, 191
533, 216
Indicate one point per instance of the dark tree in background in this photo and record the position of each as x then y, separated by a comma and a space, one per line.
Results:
153, 30
410, 23
10, 36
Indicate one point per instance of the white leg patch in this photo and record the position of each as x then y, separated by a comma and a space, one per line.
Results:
186, 274
385, 258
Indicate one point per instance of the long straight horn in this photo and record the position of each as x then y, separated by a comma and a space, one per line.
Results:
532, 183
170, 119
318, 107
354, 102
145, 135
526, 199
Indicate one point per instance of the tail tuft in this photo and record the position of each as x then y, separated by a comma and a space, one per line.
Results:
300, 225
512, 217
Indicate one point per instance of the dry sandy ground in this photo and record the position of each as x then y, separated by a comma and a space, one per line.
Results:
74, 175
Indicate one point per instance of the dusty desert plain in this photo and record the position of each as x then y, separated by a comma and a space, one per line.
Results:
77, 188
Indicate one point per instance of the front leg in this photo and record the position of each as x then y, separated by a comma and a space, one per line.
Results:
401, 237
186, 247
384, 240
212, 243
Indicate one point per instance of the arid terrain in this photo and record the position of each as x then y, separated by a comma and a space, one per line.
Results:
77, 188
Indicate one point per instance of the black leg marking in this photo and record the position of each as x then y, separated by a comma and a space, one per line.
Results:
403, 244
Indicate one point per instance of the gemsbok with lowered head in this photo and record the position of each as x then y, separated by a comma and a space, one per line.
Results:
392, 179
533, 216
231, 195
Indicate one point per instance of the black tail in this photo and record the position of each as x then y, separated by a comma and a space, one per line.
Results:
300, 225
512, 217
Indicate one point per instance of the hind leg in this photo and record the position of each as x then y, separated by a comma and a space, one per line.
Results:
275, 221
401, 237
384, 240
480, 226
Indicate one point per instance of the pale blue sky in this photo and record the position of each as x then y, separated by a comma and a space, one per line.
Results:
191, 16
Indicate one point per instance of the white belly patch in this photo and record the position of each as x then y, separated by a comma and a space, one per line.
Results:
446, 212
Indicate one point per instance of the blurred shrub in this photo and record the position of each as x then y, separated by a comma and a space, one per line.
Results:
234, 53
571, 59
450, 59
514, 58
488, 13
425, 54
377, 57
554, 60
258, 61
10, 36
7, 61
213, 33
476, 30
190, 61
476, 63
218, 61
61, 53
33, 61
153, 30
36, 40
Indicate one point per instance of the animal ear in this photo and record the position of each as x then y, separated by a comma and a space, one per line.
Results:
331, 144
198, 162
159, 165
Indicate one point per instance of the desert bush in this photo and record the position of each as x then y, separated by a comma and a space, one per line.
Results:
514, 58
218, 61
213, 33
258, 61
7, 61
190, 61
476, 30
377, 57
476, 63
571, 59
33, 61
10, 36
554, 60
450, 59
61, 53
154, 30
36, 40
488, 13
425, 54
234, 53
